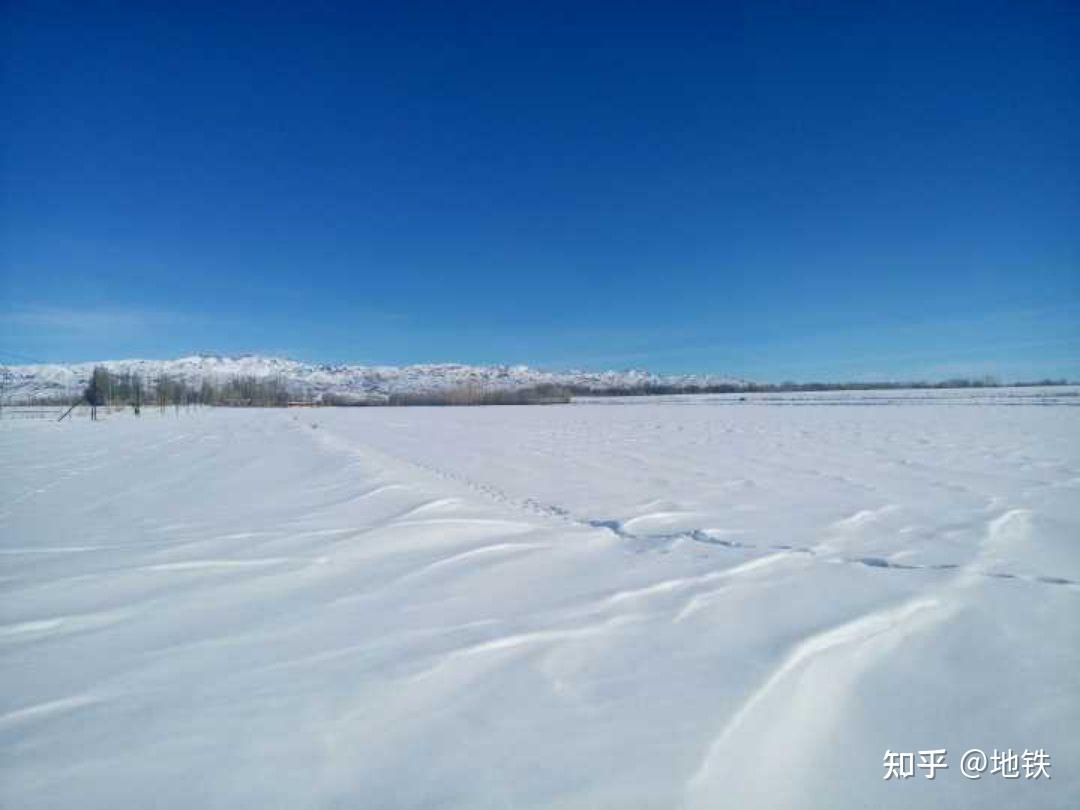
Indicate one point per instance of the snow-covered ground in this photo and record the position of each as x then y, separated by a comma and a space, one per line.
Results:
694, 602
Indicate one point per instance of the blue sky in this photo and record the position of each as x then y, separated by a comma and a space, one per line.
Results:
775, 190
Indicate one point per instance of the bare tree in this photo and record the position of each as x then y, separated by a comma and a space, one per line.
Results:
96, 390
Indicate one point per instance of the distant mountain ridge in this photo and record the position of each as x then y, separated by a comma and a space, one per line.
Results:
316, 379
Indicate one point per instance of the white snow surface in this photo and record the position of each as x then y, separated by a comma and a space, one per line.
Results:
695, 602
28, 381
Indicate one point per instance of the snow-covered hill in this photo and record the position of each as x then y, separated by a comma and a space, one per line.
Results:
317, 378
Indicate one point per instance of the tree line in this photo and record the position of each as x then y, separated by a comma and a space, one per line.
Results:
543, 394
107, 388
110, 389
660, 389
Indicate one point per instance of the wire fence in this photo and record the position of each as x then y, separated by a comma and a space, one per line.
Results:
54, 412
31, 412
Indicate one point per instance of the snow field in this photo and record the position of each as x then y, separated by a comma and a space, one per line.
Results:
683, 603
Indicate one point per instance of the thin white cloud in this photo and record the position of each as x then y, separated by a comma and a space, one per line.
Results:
88, 321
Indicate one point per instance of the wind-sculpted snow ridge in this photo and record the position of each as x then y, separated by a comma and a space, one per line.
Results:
670, 603
314, 379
